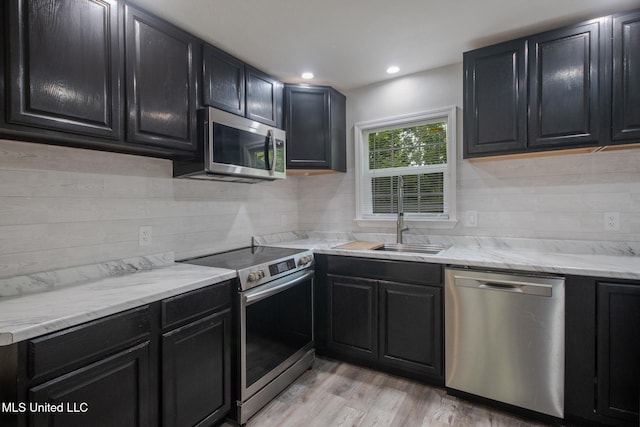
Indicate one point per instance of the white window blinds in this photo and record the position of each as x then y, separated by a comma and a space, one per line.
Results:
417, 150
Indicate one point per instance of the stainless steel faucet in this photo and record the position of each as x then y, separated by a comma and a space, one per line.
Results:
400, 221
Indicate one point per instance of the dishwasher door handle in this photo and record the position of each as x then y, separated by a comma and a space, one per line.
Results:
515, 285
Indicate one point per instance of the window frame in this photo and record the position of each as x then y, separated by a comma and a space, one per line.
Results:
362, 129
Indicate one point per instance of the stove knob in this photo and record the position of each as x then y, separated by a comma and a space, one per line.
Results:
260, 274
253, 277
305, 260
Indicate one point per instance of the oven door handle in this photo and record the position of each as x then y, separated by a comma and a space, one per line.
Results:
275, 287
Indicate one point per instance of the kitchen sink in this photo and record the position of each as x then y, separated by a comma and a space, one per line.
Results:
413, 247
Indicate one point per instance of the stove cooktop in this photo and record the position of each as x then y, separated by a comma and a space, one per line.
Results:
239, 259
259, 264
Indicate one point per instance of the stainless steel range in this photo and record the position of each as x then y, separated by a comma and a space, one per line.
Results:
273, 320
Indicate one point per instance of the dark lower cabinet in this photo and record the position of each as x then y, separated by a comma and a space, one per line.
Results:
160, 82
602, 382
196, 357
383, 314
166, 363
410, 324
115, 391
618, 357
625, 100
196, 372
353, 314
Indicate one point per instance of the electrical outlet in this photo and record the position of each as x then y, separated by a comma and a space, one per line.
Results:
612, 221
283, 220
471, 219
145, 235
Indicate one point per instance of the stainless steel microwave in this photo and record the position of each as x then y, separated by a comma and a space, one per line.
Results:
233, 148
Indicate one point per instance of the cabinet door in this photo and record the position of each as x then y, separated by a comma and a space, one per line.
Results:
495, 99
308, 128
223, 80
626, 78
618, 341
564, 94
196, 372
263, 98
353, 315
65, 66
115, 391
161, 82
411, 328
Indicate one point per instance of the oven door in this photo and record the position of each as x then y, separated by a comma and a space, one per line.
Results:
276, 329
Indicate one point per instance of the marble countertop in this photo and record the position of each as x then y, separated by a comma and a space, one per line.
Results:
41, 303
539, 259
32, 314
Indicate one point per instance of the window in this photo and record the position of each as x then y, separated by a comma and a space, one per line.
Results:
420, 148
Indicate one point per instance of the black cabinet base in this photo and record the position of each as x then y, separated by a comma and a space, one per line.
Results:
393, 370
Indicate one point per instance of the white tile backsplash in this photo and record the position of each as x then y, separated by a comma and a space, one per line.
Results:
553, 197
64, 207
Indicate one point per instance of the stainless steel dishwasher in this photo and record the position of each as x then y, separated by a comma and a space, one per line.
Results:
504, 338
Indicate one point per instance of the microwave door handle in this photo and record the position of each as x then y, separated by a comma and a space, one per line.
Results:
267, 138
270, 166
206, 142
275, 150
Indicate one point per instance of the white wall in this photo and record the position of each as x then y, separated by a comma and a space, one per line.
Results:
63, 207
559, 197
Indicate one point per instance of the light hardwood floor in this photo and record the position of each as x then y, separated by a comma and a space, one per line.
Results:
339, 394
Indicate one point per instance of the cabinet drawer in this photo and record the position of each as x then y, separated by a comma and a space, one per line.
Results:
196, 303
396, 271
85, 343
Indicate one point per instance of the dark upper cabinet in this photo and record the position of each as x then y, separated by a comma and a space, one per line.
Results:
495, 102
564, 86
618, 332
315, 119
263, 97
231, 85
223, 80
573, 87
625, 99
64, 66
160, 82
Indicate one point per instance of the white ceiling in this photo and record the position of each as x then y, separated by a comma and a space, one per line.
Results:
350, 43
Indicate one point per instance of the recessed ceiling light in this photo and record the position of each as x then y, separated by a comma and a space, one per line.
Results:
393, 69
307, 75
